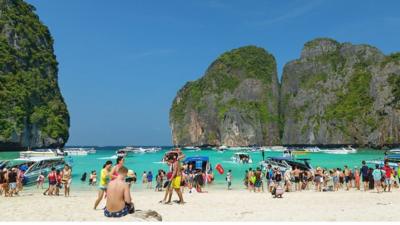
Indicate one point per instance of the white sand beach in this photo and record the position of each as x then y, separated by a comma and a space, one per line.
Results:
216, 205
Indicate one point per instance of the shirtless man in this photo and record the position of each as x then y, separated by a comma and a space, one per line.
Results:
296, 174
119, 200
347, 177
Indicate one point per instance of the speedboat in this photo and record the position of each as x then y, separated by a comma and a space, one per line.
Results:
312, 149
395, 151
340, 150
140, 149
34, 166
241, 157
201, 163
76, 151
192, 148
285, 163
41, 153
381, 163
121, 153
278, 148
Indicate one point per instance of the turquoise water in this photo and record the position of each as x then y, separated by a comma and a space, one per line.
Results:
151, 162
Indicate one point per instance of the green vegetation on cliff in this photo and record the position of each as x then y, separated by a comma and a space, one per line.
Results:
29, 92
222, 88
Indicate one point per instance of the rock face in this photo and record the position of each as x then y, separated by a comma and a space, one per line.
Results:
235, 103
32, 110
339, 93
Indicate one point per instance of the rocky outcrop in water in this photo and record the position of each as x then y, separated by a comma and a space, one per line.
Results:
235, 103
340, 93
32, 110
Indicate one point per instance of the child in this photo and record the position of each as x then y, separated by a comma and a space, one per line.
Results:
40, 181
229, 179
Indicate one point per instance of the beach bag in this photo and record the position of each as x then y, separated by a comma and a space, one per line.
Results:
279, 191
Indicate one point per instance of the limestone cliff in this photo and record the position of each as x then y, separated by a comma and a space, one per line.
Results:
235, 103
32, 110
340, 93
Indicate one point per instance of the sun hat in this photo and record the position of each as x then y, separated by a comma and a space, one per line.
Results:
130, 173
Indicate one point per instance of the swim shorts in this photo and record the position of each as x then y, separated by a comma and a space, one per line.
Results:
12, 185
120, 213
388, 181
102, 187
176, 182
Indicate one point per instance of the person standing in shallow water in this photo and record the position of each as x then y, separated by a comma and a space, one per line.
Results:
105, 175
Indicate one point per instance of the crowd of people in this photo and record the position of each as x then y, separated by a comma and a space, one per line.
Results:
11, 181
383, 179
115, 181
58, 179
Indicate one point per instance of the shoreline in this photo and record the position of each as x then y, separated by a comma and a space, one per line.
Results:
216, 205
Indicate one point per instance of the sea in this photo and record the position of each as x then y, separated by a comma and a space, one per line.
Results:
141, 162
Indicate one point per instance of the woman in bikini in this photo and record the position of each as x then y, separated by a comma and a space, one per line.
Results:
67, 179
119, 164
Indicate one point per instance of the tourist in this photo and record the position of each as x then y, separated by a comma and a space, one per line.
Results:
229, 179
371, 183
20, 177
357, 178
388, 176
119, 163
258, 180
176, 181
59, 182
144, 178
52, 178
83, 177
245, 179
398, 172
130, 178
40, 181
93, 178
347, 177
2, 181
67, 179
364, 174
288, 180
377, 174
251, 179
149, 180
12, 181
105, 176
341, 178
278, 178
119, 200
318, 179
159, 181
304, 176
5, 182
296, 175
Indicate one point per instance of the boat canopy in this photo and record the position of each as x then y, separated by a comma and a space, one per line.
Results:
195, 158
198, 162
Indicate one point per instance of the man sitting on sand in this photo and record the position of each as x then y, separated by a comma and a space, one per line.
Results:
119, 201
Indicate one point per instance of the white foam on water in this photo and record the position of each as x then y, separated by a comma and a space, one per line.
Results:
110, 157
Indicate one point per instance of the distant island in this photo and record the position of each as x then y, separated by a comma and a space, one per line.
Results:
334, 94
32, 111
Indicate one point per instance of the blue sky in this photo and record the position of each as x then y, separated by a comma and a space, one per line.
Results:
122, 62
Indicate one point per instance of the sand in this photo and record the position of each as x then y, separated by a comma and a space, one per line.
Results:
216, 205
